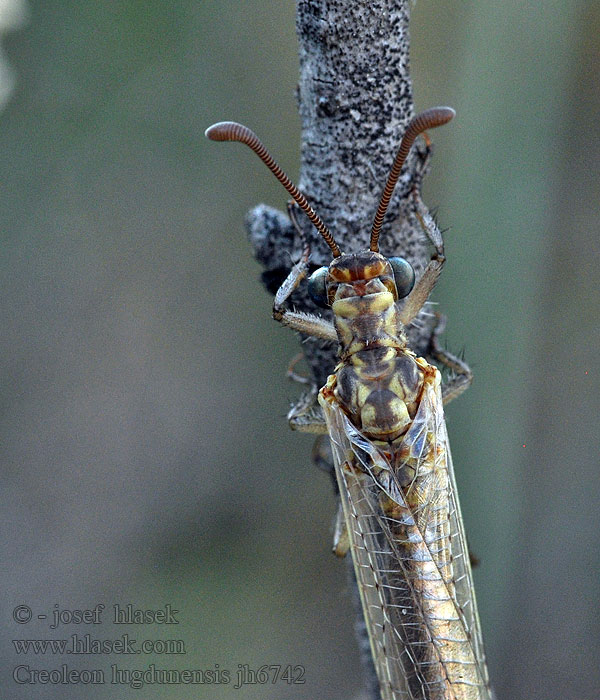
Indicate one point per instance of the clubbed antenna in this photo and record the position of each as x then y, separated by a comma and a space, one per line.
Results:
232, 131
430, 118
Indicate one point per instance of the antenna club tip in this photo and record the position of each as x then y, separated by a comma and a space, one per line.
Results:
451, 111
446, 113
221, 131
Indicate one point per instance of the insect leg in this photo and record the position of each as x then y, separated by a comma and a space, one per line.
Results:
419, 295
296, 320
293, 375
463, 376
416, 299
428, 225
423, 162
306, 416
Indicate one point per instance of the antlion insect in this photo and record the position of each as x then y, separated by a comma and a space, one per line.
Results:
383, 411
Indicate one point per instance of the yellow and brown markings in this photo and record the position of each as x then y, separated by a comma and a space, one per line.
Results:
359, 266
360, 274
378, 388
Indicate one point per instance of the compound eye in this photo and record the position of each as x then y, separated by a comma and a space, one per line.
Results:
317, 289
404, 276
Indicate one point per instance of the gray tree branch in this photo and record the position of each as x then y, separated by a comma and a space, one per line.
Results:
355, 100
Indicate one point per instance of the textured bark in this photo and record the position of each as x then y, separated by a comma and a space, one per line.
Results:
355, 99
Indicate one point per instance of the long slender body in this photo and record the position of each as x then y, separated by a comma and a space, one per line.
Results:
383, 410
384, 414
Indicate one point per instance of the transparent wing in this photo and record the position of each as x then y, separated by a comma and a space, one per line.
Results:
430, 426
410, 557
463, 577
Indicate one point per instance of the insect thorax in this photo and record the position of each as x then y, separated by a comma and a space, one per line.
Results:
362, 293
379, 389
377, 381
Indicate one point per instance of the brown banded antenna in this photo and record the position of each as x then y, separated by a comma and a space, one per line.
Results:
232, 131
430, 118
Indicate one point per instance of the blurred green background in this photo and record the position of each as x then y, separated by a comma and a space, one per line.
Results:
146, 457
